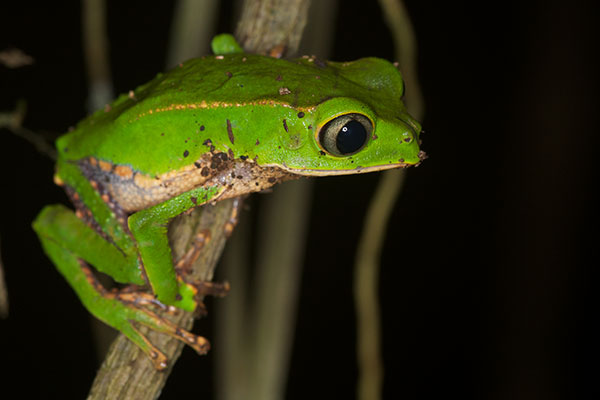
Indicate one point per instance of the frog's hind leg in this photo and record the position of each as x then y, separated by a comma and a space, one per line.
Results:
66, 245
121, 313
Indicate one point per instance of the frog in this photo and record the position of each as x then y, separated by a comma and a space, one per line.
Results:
213, 128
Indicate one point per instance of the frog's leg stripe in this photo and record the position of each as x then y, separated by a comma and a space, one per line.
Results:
59, 225
86, 192
85, 214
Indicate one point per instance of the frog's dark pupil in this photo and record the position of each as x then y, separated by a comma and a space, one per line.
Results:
351, 137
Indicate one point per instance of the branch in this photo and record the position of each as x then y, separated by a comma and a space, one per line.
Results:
127, 373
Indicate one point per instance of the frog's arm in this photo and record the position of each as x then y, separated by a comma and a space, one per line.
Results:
225, 43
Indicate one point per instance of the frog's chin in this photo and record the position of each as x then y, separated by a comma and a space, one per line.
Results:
357, 170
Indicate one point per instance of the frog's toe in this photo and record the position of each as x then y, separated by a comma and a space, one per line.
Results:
140, 313
140, 299
192, 293
158, 359
216, 289
153, 321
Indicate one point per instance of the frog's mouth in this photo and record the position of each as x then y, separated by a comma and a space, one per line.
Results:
357, 170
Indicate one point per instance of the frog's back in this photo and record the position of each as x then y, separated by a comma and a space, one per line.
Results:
194, 88
193, 102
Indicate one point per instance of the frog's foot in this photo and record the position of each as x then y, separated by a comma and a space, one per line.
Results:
126, 309
67, 241
185, 263
235, 215
135, 297
197, 290
144, 316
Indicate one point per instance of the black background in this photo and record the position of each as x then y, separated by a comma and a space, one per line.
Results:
489, 280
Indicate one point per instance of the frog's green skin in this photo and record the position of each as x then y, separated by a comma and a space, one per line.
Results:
213, 128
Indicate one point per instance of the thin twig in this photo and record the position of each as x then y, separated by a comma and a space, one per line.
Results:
366, 282
13, 121
366, 274
15, 58
95, 41
3, 292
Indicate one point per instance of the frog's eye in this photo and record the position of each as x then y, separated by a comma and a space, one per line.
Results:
346, 134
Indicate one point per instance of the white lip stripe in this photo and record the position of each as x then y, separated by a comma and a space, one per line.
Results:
317, 172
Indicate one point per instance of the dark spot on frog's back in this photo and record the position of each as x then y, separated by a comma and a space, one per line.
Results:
300, 114
285, 125
219, 161
186, 153
230, 132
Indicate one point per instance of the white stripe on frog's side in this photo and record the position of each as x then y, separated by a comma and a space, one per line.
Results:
134, 191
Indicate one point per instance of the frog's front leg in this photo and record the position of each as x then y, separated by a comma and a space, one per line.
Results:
71, 244
149, 229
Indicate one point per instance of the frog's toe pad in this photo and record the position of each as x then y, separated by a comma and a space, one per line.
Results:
162, 325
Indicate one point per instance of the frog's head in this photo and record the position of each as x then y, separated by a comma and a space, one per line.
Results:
361, 124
